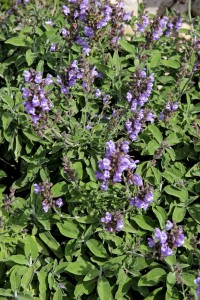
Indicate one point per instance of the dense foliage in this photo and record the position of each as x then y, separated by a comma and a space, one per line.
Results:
99, 154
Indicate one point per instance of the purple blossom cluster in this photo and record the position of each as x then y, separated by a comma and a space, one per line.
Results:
145, 195
115, 163
165, 241
113, 221
197, 281
73, 73
89, 18
158, 27
136, 124
137, 96
37, 97
45, 190
168, 111
141, 89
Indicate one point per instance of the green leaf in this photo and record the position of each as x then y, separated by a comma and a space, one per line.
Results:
49, 240
42, 278
194, 212
152, 146
127, 46
178, 214
152, 277
79, 267
59, 189
155, 59
58, 294
194, 171
83, 288
2, 174
68, 229
27, 278
181, 194
77, 166
144, 222
161, 215
157, 294
17, 41
91, 274
103, 289
30, 247
30, 57
124, 284
18, 259
170, 63
87, 219
156, 133
97, 248
4, 292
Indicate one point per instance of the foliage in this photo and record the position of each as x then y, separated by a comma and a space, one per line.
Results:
67, 233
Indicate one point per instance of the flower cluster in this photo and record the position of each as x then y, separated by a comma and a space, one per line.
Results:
168, 111
37, 97
115, 163
158, 27
164, 241
136, 124
137, 96
197, 281
69, 76
89, 18
141, 89
113, 221
145, 195
45, 190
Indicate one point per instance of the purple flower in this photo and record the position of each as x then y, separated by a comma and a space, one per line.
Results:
125, 146
169, 225
166, 251
120, 225
49, 22
174, 106
66, 10
97, 93
59, 202
38, 77
65, 32
37, 188
104, 186
197, 280
101, 24
179, 240
48, 79
129, 96
151, 242
27, 75
198, 292
104, 164
45, 206
161, 236
137, 180
178, 24
88, 31
110, 149
26, 93
127, 16
52, 47
35, 101
107, 218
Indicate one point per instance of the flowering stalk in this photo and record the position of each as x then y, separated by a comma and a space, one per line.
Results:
115, 163
48, 202
165, 241
37, 102
113, 221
